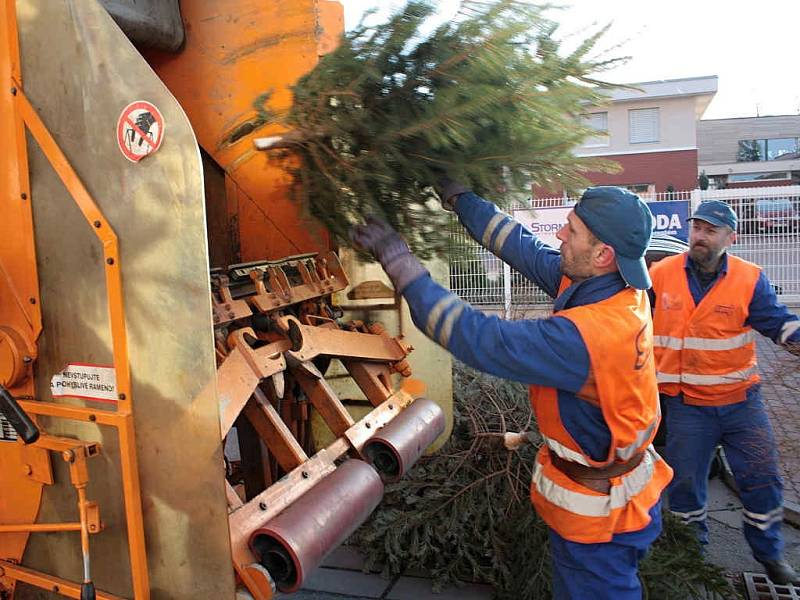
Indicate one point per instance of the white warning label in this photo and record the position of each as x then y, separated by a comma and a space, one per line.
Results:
94, 382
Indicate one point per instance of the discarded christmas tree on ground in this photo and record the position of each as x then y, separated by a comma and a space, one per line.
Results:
464, 514
489, 97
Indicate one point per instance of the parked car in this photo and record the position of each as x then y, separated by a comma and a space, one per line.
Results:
663, 245
776, 215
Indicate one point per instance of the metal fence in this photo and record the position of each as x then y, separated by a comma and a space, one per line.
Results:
769, 235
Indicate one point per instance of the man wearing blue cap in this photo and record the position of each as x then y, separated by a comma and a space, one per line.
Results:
707, 306
597, 479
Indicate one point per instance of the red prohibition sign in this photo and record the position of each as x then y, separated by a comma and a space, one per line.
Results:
140, 130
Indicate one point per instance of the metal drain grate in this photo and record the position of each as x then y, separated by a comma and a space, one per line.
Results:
759, 587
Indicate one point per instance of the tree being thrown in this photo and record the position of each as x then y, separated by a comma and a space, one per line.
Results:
488, 98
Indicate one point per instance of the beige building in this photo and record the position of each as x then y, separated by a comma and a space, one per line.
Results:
650, 130
750, 151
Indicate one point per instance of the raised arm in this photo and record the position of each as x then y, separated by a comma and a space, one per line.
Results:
510, 241
536, 351
547, 352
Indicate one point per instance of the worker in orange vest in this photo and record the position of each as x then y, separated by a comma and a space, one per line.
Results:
597, 480
708, 305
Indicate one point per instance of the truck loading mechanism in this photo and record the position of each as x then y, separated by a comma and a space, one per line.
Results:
199, 473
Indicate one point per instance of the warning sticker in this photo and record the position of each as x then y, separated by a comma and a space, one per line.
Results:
93, 382
140, 130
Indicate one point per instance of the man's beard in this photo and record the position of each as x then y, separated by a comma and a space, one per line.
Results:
704, 256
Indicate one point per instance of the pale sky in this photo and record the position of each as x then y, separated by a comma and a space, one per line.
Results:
751, 46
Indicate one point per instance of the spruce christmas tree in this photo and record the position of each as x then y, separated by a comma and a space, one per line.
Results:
464, 514
488, 98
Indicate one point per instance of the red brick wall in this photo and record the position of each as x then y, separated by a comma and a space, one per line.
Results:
678, 169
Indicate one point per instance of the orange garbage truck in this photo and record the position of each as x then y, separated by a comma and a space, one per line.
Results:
196, 396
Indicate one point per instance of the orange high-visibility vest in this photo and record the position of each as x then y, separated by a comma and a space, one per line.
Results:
618, 336
704, 352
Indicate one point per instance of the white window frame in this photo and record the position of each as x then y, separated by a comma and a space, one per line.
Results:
603, 139
733, 177
637, 122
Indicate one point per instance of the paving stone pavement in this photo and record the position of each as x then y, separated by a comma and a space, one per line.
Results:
780, 387
341, 577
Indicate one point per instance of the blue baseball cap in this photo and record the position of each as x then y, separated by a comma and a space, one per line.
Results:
619, 218
717, 213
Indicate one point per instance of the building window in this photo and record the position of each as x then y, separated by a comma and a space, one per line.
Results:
643, 125
782, 149
599, 122
752, 150
643, 189
759, 176
768, 149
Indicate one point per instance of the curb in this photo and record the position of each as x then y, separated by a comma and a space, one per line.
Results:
791, 510
791, 513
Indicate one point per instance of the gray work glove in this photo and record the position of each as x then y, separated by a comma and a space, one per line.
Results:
379, 239
449, 191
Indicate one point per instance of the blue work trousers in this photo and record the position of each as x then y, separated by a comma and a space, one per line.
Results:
744, 430
607, 571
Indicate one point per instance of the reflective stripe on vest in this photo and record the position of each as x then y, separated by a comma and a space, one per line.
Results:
698, 379
695, 343
618, 336
704, 351
591, 505
623, 454
626, 452
566, 453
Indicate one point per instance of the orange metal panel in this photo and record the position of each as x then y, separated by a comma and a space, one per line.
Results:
48, 582
41, 527
331, 20
128, 457
104, 233
22, 470
234, 52
52, 31
17, 252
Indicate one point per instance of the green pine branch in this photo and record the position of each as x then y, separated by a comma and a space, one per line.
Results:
488, 97
464, 514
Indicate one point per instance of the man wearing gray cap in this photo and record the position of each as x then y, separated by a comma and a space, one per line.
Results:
707, 307
597, 480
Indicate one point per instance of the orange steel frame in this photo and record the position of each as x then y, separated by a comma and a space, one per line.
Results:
122, 418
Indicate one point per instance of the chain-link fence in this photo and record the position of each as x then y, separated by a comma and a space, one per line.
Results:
769, 235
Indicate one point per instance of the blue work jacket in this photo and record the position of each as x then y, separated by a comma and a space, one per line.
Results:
547, 351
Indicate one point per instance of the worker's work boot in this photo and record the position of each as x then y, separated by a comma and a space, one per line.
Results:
779, 571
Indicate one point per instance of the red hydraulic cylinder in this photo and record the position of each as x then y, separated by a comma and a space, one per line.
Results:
292, 544
394, 449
